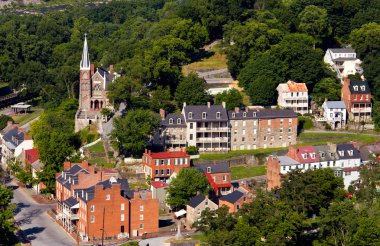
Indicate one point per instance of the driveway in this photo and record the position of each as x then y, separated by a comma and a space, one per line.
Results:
37, 226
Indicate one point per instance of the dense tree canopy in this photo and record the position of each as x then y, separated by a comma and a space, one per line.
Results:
192, 90
231, 97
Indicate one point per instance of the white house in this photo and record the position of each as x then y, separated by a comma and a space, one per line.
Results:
343, 61
335, 113
293, 95
14, 142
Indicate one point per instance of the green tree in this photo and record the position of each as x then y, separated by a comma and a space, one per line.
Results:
326, 88
376, 114
231, 97
23, 174
4, 121
311, 190
314, 21
6, 216
180, 192
125, 135
192, 90
161, 99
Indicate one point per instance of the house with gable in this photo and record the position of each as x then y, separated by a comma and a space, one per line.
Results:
343, 61
293, 95
219, 177
356, 96
196, 206
235, 200
335, 114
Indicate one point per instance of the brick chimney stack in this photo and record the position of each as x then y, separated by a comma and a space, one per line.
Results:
162, 113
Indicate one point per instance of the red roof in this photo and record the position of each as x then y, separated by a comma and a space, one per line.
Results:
293, 86
307, 151
216, 186
165, 155
158, 184
31, 155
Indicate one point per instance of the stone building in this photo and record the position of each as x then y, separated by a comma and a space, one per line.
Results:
293, 95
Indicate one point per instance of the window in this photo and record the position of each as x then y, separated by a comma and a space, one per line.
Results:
269, 122
141, 226
176, 161
168, 171
244, 114
304, 155
322, 154
233, 115
290, 129
92, 219
209, 169
170, 121
206, 203
281, 121
224, 178
191, 125
244, 199
92, 208
108, 197
355, 88
290, 121
141, 217
218, 115
122, 206
238, 207
243, 131
168, 162
281, 130
236, 123
162, 171
350, 152
204, 115
178, 121
191, 136
244, 123
255, 122
265, 138
141, 207
156, 162
122, 217
254, 114
190, 115
362, 87
254, 131
312, 155
185, 161
156, 172
283, 168
162, 162
269, 130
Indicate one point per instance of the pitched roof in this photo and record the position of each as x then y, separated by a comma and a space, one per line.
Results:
71, 201
196, 200
296, 87
232, 197
347, 151
211, 113
261, 114
362, 87
221, 167
32, 155
175, 117
158, 184
169, 154
15, 136
286, 161
342, 50
335, 104
304, 154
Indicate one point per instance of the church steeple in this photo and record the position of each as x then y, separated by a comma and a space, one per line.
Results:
85, 62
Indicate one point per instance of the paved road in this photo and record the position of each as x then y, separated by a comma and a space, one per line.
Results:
26, 127
38, 227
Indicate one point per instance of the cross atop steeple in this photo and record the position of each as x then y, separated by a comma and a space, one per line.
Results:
85, 62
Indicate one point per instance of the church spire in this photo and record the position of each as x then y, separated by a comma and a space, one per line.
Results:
85, 62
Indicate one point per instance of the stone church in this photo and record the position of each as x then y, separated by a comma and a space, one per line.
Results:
92, 92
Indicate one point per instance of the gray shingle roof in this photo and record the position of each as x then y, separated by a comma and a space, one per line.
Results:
360, 85
335, 104
196, 200
175, 117
14, 137
211, 113
287, 161
346, 148
261, 114
342, 50
71, 201
232, 197
222, 167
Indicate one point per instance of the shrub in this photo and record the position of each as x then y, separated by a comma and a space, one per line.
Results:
192, 150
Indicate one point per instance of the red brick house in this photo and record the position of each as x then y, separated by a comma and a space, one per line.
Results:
87, 196
159, 166
235, 200
356, 95
219, 177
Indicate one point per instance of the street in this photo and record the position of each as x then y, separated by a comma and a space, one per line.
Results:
38, 227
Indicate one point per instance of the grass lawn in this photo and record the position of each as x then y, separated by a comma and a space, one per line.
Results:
236, 153
241, 172
97, 148
102, 162
141, 185
22, 119
324, 138
215, 62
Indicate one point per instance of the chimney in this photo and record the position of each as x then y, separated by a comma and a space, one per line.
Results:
111, 69
84, 164
326, 99
92, 68
184, 104
9, 123
208, 104
66, 165
162, 113
237, 109
224, 104
136, 195
146, 151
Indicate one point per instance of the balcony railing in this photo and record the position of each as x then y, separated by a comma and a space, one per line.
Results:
361, 110
213, 139
214, 129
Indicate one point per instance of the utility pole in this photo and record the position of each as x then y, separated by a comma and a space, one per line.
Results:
104, 210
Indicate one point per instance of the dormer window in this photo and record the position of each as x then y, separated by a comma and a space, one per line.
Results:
190, 115
331, 154
304, 155
254, 114
208, 169
350, 152
362, 87
356, 88
341, 153
233, 115
204, 115
171, 121
312, 155
218, 115
178, 121
244, 114
322, 154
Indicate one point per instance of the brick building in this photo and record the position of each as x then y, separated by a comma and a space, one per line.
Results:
235, 200
255, 129
219, 177
356, 95
160, 165
87, 197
